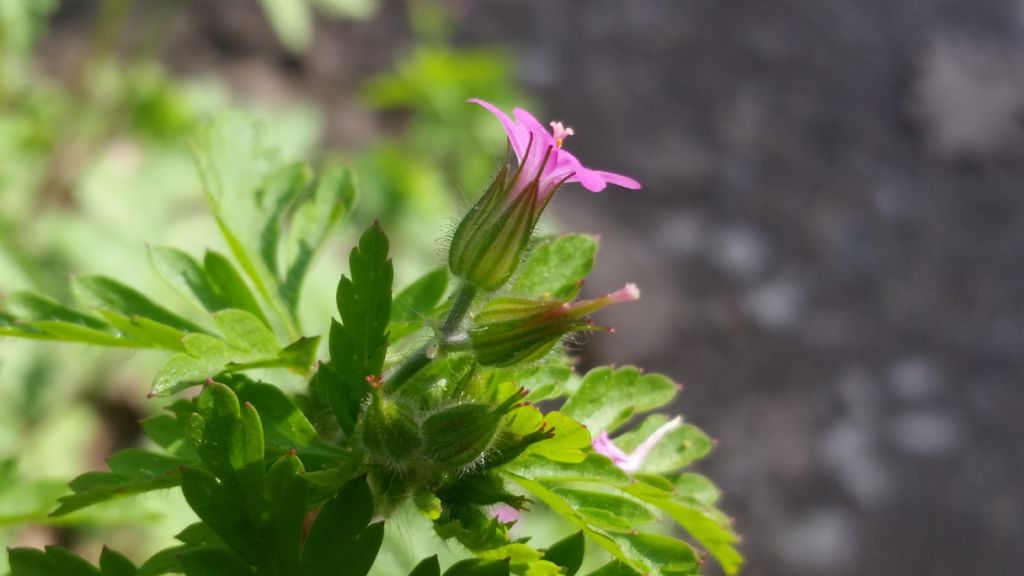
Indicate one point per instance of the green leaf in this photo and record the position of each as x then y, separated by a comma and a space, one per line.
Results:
568, 443
32, 306
660, 554
522, 559
331, 199
358, 344
115, 564
185, 275
615, 568
132, 472
169, 433
250, 194
230, 285
247, 344
229, 441
213, 562
595, 468
419, 299
677, 449
606, 510
608, 397
166, 561
342, 535
286, 494
477, 567
709, 527
697, 487
221, 505
54, 561
427, 567
567, 553
556, 267
105, 293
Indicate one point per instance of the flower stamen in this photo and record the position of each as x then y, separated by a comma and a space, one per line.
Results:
559, 132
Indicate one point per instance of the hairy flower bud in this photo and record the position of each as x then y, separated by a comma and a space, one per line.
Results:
488, 243
513, 330
390, 433
460, 435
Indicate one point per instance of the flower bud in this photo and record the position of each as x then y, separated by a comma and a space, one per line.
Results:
487, 245
390, 433
461, 434
513, 330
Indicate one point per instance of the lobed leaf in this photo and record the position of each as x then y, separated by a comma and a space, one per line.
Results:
556, 268
607, 397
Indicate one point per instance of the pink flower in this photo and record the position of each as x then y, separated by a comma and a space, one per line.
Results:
505, 514
633, 461
541, 156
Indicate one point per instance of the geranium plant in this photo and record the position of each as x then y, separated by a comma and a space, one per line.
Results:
437, 397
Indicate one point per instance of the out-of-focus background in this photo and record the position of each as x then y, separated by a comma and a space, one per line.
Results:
828, 240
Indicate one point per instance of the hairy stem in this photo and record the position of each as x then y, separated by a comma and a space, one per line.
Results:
423, 356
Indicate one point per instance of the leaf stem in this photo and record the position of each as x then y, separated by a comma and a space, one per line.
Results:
426, 354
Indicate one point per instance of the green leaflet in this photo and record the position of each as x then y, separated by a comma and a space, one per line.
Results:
342, 534
556, 267
608, 397
359, 343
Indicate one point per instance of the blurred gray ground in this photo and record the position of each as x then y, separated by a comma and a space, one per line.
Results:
828, 241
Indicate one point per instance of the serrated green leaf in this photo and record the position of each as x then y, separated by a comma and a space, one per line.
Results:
213, 562
342, 534
705, 523
659, 555
230, 285
427, 567
245, 332
108, 294
286, 494
222, 506
569, 440
67, 332
115, 564
186, 275
146, 332
615, 568
595, 468
522, 559
358, 344
169, 433
476, 567
34, 307
605, 510
51, 562
331, 199
556, 267
248, 344
229, 440
166, 561
608, 397
697, 487
567, 553
132, 472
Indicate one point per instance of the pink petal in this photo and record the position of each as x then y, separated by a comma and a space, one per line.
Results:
604, 446
639, 455
618, 180
541, 136
505, 514
590, 179
518, 136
